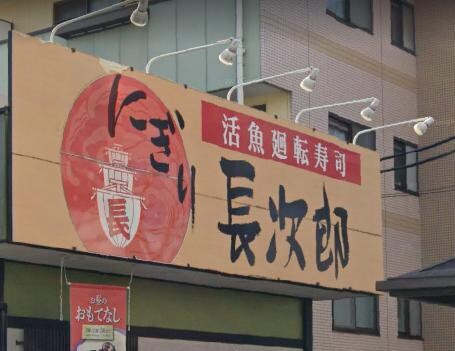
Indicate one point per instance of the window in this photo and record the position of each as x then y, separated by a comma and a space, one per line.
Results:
345, 130
405, 178
409, 318
355, 13
402, 22
359, 315
262, 107
29, 335
67, 9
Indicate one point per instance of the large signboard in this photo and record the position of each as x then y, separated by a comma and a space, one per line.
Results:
115, 162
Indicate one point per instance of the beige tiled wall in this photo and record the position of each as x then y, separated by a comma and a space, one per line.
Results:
435, 23
354, 64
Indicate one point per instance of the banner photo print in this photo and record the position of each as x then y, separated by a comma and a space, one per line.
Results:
98, 317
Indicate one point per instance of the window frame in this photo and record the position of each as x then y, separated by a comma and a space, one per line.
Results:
95, 24
347, 13
56, 5
405, 188
108, 20
350, 124
375, 331
407, 334
400, 45
341, 121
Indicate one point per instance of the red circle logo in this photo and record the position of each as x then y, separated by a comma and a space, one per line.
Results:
125, 173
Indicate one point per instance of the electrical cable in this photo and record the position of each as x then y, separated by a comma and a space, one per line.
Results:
420, 194
425, 192
430, 159
419, 149
309, 54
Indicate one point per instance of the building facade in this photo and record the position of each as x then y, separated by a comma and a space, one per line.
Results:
354, 63
435, 88
363, 49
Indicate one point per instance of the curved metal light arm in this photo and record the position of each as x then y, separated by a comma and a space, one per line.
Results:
88, 15
302, 70
354, 141
301, 112
153, 59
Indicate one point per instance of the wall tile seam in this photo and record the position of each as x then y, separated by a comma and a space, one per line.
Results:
317, 41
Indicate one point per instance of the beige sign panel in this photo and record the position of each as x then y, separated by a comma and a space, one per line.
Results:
115, 162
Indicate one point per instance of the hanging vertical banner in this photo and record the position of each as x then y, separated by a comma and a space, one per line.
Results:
98, 317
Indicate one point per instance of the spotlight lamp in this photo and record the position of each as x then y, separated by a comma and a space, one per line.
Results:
307, 84
139, 17
226, 57
229, 54
420, 127
367, 113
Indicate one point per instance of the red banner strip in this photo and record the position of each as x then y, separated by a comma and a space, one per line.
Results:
252, 136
